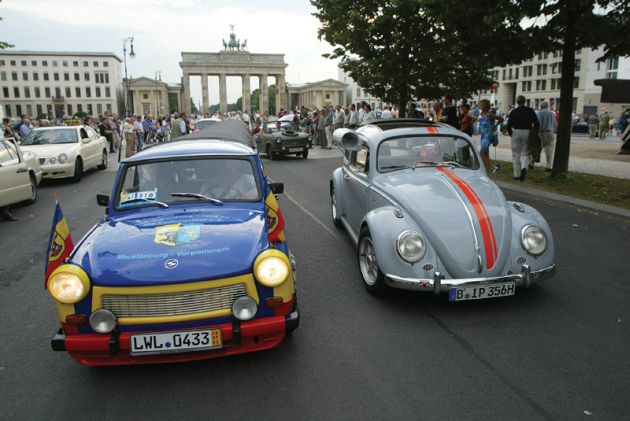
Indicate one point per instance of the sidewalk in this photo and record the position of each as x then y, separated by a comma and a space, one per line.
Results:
590, 156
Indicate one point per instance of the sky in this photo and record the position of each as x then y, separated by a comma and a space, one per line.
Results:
162, 29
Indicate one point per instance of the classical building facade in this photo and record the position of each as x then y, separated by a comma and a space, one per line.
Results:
235, 62
154, 97
317, 94
355, 94
59, 84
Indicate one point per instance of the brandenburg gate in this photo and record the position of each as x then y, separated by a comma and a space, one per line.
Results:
234, 60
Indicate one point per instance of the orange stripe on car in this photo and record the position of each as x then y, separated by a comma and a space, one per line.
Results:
432, 130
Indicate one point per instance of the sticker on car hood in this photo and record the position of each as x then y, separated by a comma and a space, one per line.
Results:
176, 234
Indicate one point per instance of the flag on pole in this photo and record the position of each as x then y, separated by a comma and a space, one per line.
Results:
275, 220
60, 244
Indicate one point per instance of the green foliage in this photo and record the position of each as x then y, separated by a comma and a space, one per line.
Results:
193, 107
80, 114
172, 102
5, 45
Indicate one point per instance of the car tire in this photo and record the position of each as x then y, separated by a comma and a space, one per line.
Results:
373, 278
269, 153
103, 164
304, 153
334, 209
33, 197
78, 170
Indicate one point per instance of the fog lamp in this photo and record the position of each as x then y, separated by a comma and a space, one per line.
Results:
103, 321
244, 308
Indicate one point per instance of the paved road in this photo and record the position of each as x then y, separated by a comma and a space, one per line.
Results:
549, 353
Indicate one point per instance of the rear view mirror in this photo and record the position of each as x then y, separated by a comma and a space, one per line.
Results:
102, 199
277, 188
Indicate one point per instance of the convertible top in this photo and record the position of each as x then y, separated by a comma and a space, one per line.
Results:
228, 130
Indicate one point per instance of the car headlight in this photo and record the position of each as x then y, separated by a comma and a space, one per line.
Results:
244, 308
278, 140
52, 160
68, 284
411, 246
102, 321
62, 158
534, 240
272, 267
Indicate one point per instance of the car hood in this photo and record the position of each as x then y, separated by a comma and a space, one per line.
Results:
158, 247
463, 214
46, 151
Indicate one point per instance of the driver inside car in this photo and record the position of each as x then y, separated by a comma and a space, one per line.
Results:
230, 180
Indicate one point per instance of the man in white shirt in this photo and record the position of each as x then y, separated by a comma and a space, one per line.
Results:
339, 117
387, 113
354, 117
547, 119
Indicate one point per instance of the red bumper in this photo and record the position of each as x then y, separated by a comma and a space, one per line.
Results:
104, 349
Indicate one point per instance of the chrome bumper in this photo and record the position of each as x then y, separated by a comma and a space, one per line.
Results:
438, 284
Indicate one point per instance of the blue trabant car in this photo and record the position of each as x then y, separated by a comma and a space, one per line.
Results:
425, 215
190, 261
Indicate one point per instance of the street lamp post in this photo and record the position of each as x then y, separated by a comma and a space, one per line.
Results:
158, 77
132, 54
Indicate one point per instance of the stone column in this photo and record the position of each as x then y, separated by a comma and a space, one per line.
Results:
186, 98
246, 93
222, 93
204, 92
281, 95
264, 95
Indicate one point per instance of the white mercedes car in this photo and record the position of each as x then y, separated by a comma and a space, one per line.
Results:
67, 151
20, 174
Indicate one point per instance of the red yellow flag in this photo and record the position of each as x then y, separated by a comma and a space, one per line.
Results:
60, 244
275, 220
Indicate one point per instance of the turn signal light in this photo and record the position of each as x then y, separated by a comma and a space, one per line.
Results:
76, 319
273, 302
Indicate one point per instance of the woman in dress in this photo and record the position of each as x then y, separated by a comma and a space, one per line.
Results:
487, 129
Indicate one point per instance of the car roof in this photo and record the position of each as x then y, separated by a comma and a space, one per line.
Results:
191, 148
57, 127
379, 130
228, 130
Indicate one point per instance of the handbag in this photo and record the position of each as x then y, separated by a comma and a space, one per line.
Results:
534, 144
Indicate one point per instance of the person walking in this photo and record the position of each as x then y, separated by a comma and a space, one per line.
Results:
547, 119
593, 123
449, 114
130, 137
521, 121
139, 129
106, 131
321, 128
369, 114
354, 117
328, 128
487, 130
603, 125
466, 119
176, 127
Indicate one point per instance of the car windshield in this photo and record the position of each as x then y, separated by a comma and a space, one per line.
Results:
215, 180
205, 123
51, 137
274, 126
411, 152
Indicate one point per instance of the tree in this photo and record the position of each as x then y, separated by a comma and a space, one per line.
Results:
193, 107
5, 45
402, 49
569, 25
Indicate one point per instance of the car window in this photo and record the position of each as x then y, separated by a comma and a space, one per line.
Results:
51, 137
12, 149
359, 161
93, 133
205, 123
6, 157
409, 152
225, 179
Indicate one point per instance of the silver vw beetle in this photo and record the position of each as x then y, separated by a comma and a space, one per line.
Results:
416, 199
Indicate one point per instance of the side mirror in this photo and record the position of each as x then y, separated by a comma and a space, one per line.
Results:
102, 199
277, 188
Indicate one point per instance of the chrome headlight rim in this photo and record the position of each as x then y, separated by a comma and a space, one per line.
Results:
244, 308
62, 158
68, 273
102, 321
525, 233
267, 257
405, 236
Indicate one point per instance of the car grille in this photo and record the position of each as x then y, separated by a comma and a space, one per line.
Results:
175, 304
42, 161
294, 145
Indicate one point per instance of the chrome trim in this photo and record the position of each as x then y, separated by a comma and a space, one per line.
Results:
353, 235
438, 284
385, 196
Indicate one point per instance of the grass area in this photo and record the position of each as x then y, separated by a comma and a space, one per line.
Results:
596, 188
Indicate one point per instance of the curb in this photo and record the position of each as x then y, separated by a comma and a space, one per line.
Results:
567, 199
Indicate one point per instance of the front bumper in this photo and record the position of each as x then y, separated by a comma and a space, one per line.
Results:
438, 284
238, 338
57, 171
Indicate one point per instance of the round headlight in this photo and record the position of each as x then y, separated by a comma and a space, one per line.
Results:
62, 158
411, 247
534, 240
52, 160
68, 284
103, 321
278, 140
271, 268
244, 308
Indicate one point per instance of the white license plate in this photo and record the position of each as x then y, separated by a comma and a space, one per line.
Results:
180, 341
480, 292
296, 149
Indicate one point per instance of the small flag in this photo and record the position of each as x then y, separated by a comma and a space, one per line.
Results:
60, 244
275, 220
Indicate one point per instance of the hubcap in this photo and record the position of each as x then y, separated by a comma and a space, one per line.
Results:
367, 261
333, 200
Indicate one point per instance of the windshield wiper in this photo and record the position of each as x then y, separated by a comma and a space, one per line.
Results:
394, 167
199, 196
142, 199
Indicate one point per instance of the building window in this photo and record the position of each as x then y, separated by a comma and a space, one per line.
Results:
35, 76
24, 75
95, 64
68, 92
34, 63
105, 64
75, 64
66, 77
38, 92
89, 109
612, 67
85, 64
516, 73
543, 84
86, 76
38, 107
14, 76
79, 108
578, 64
503, 74
538, 85
109, 107
88, 92
64, 63
529, 85
23, 62
2, 62
576, 82
97, 91
7, 110
553, 84
76, 76
544, 69
12, 62
47, 92
46, 77
56, 76
18, 109
16, 92
108, 92
54, 63
510, 73
58, 92
27, 92
70, 110
146, 96
77, 92
99, 108
327, 96
5, 91
3, 75
44, 62
29, 109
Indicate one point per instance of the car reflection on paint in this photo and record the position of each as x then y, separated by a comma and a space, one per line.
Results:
190, 261
426, 217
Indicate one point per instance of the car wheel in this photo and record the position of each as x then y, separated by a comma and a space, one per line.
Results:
269, 153
33, 197
78, 170
103, 161
305, 153
334, 209
373, 278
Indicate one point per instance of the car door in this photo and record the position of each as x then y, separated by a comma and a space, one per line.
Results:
355, 176
15, 184
97, 146
90, 151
